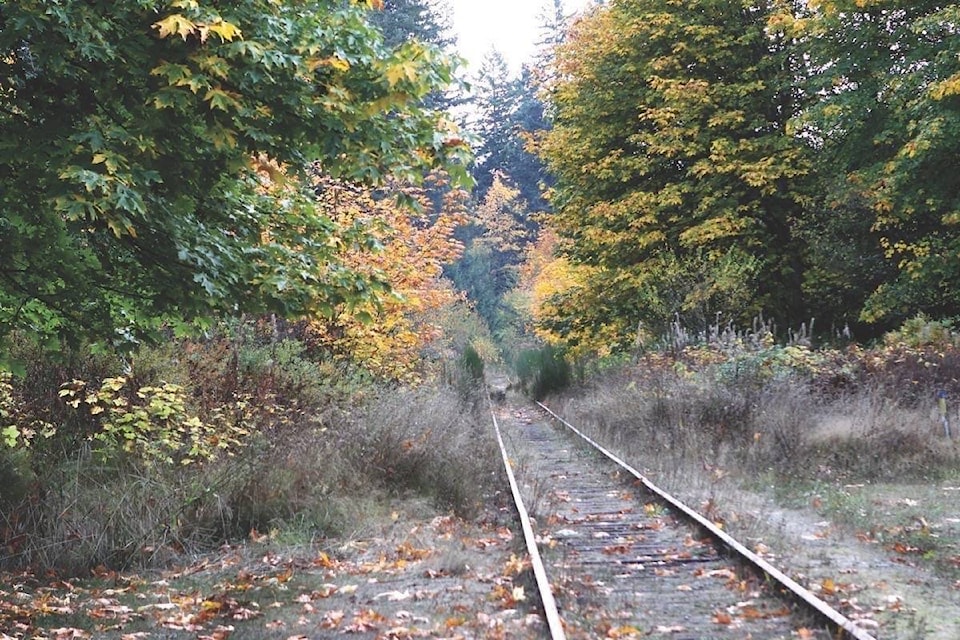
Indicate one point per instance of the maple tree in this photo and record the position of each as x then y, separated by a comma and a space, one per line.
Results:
544, 276
671, 152
882, 81
387, 335
128, 131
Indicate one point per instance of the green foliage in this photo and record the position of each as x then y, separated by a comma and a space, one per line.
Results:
490, 267
697, 290
132, 139
510, 115
844, 260
882, 110
921, 332
466, 376
153, 423
472, 364
16, 477
17, 428
197, 441
424, 20
685, 134
543, 371
774, 363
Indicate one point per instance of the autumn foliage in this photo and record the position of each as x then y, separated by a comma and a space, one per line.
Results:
406, 249
730, 159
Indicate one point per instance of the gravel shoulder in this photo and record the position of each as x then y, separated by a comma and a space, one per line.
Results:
885, 555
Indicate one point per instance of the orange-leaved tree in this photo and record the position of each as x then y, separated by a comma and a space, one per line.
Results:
387, 335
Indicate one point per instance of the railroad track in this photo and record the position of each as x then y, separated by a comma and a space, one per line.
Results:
614, 556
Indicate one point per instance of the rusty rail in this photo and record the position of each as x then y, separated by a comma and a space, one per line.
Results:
834, 617
543, 584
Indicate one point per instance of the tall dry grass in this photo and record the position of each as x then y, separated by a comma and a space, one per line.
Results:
326, 446
781, 410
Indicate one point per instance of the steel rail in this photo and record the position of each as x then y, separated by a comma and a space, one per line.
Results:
551, 614
800, 592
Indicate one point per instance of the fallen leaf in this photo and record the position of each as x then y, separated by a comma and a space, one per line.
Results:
722, 617
220, 633
332, 619
752, 613
452, 623
726, 574
828, 586
324, 561
407, 551
615, 549
515, 566
68, 633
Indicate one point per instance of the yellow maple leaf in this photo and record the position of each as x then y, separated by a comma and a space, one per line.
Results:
398, 72
226, 30
176, 25
828, 586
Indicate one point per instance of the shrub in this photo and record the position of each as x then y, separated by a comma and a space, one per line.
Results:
765, 411
423, 440
542, 371
153, 423
471, 364
273, 438
920, 332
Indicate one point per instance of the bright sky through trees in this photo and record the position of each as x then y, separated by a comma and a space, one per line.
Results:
511, 26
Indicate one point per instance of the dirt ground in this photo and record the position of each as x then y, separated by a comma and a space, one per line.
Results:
422, 575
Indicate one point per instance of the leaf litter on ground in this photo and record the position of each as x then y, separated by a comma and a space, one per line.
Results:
439, 577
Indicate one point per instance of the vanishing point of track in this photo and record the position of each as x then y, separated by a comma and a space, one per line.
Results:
615, 556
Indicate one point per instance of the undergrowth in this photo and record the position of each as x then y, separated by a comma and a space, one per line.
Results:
741, 401
180, 448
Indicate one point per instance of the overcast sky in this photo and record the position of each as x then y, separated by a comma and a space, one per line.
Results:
512, 26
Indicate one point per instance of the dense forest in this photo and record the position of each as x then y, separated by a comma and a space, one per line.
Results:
653, 163
727, 159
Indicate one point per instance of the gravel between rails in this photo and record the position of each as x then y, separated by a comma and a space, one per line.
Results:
621, 565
